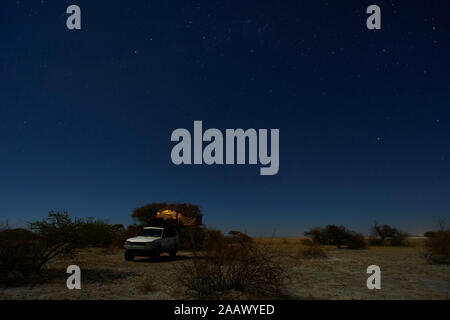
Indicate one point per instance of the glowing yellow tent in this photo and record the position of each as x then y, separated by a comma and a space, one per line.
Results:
173, 217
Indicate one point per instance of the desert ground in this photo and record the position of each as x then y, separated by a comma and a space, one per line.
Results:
106, 275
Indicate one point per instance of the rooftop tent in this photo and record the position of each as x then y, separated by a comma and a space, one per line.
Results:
172, 216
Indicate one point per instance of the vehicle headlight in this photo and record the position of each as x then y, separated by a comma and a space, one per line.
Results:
127, 243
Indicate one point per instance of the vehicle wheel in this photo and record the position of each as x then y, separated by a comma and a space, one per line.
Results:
156, 253
173, 254
128, 256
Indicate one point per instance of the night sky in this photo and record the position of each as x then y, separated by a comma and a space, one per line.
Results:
86, 115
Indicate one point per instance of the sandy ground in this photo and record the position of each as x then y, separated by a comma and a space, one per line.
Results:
106, 275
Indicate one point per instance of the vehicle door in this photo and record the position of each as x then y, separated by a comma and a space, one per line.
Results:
165, 241
171, 239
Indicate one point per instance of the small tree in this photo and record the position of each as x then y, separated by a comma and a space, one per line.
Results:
145, 213
317, 235
383, 232
57, 234
337, 235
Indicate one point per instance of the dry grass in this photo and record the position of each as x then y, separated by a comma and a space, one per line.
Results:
405, 275
148, 284
311, 250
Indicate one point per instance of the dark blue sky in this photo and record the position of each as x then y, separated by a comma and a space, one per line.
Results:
86, 116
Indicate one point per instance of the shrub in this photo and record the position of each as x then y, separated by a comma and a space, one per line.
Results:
330, 235
97, 233
191, 238
311, 249
232, 265
356, 241
374, 241
338, 236
22, 252
238, 236
131, 231
399, 240
213, 236
429, 234
57, 234
317, 235
437, 248
19, 255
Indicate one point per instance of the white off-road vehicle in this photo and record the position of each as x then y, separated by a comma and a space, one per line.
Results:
151, 242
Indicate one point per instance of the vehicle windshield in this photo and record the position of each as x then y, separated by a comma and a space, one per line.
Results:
150, 233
